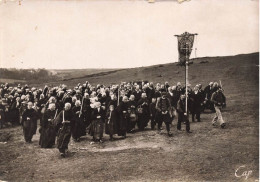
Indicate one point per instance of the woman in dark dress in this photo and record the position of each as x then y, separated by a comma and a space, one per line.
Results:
79, 128
29, 122
132, 114
86, 110
97, 124
111, 122
47, 130
64, 122
123, 117
143, 112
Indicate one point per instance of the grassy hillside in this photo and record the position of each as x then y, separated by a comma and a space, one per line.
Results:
203, 70
207, 154
238, 68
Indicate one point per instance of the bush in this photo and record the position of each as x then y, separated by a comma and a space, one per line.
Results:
26, 74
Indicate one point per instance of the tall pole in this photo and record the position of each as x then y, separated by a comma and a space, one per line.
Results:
196, 44
186, 80
186, 77
118, 94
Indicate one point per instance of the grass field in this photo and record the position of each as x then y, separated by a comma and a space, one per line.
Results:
207, 154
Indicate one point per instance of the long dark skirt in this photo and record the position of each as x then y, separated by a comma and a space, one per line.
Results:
143, 120
123, 120
2, 119
87, 118
47, 137
15, 117
131, 121
110, 127
79, 129
29, 129
96, 129
63, 137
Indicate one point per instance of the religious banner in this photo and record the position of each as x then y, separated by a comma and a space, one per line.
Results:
185, 44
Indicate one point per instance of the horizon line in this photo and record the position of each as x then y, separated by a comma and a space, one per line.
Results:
125, 67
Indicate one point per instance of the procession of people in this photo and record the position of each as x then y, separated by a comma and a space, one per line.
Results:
65, 113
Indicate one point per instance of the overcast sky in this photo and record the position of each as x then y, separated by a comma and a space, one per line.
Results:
120, 34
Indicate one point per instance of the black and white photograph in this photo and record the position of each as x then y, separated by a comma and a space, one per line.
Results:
129, 90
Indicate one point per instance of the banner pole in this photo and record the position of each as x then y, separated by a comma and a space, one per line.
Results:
118, 96
186, 36
186, 81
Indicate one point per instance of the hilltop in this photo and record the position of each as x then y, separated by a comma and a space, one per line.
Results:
203, 70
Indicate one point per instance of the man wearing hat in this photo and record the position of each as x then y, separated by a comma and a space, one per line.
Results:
163, 107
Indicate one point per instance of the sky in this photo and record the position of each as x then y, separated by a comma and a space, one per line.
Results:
71, 34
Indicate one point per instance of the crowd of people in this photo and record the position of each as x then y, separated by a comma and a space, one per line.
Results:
114, 110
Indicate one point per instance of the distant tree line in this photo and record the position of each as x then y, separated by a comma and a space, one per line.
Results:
26, 74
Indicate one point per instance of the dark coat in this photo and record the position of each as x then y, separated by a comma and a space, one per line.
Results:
123, 117
67, 100
144, 103
152, 108
171, 98
218, 98
137, 95
111, 123
29, 123
208, 91
176, 97
47, 130
196, 101
14, 110
2, 115
79, 129
87, 111
143, 118
97, 124
64, 130
181, 106
112, 102
150, 93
